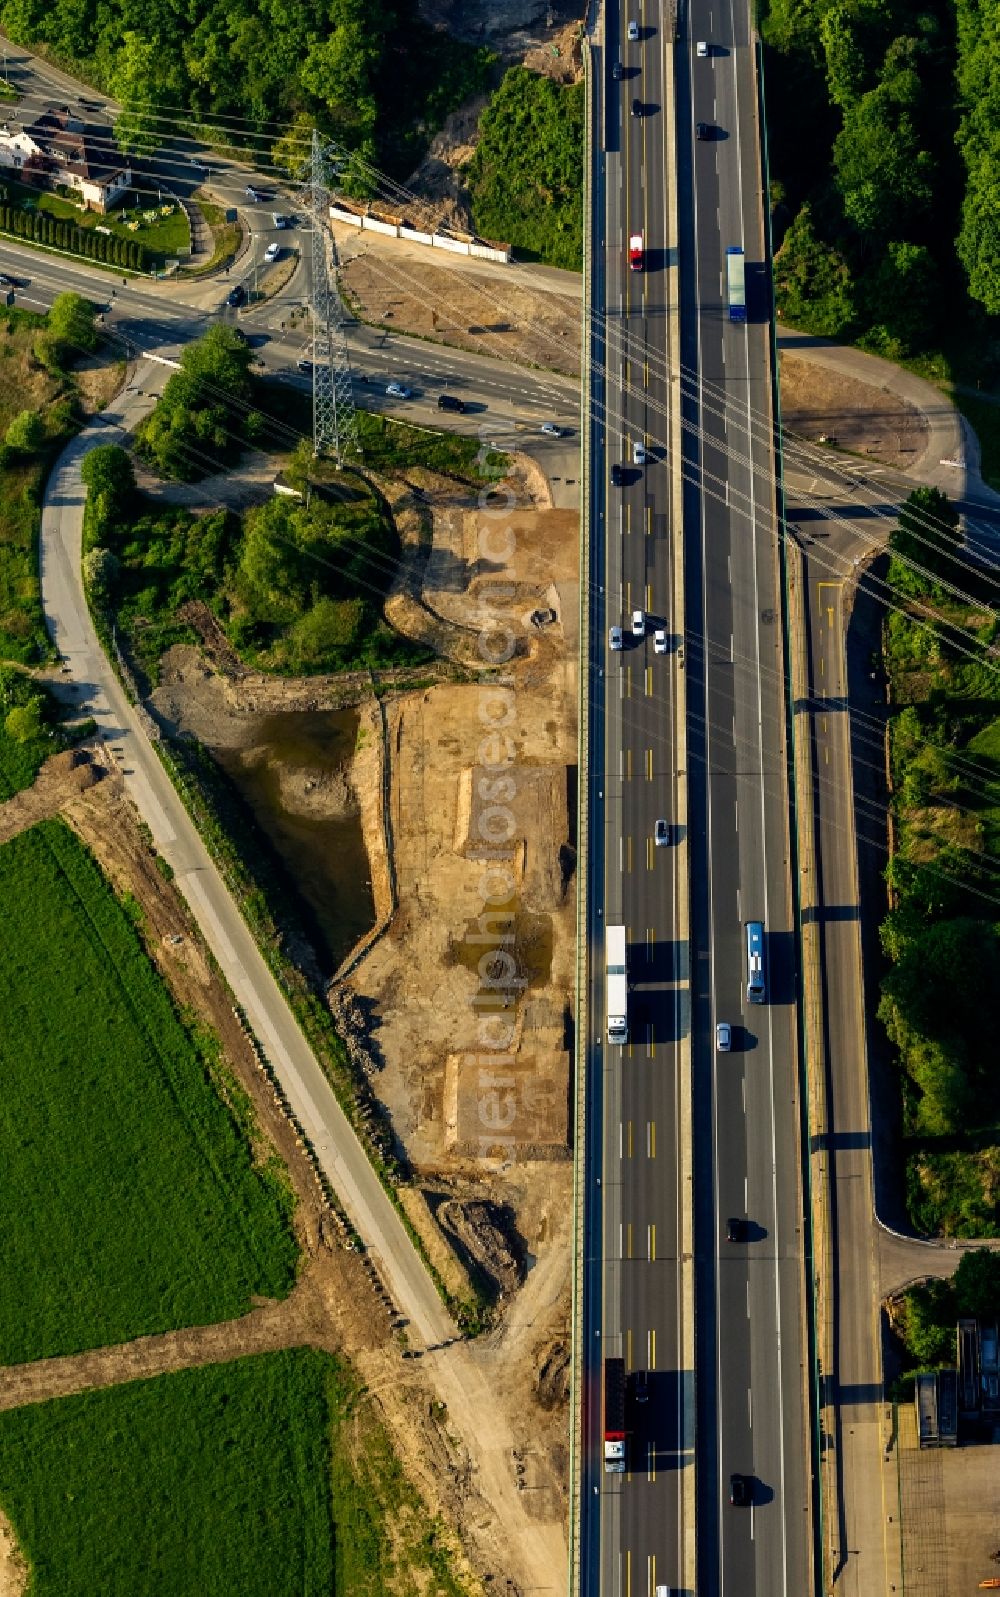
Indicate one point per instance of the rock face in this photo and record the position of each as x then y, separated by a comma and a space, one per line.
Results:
487, 21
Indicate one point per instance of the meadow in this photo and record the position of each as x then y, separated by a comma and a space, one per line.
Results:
130, 1201
266, 1477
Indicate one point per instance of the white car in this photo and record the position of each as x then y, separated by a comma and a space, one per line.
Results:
272, 252
638, 454
701, 49
638, 623
550, 429
615, 640
660, 642
661, 834
723, 1037
633, 31
398, 391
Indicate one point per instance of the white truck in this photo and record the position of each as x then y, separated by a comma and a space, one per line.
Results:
617, 984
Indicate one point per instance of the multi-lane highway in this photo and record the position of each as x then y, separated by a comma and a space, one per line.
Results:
639, 1090
697, 736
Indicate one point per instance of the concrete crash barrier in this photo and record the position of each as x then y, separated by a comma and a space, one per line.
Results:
399, 228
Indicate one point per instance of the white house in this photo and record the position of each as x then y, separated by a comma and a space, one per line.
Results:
59, 150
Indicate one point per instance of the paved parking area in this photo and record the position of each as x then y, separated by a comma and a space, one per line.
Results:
950, 1514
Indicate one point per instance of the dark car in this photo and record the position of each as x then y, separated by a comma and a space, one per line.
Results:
736, 1229
617, 71
237, 295
740, 1491
449, 402
703, 130
616, 476
304, 365
640, 1386
637, 108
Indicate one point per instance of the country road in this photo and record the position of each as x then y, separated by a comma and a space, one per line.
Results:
535, 1553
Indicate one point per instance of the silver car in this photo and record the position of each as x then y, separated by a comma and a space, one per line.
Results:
723, 1037
615, 641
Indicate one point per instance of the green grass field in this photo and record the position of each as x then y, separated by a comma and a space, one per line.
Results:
129, 1202
266, 1477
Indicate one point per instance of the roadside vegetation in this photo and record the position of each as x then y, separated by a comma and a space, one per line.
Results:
925, 1319
131, 1200
941, 934
40, 408
266, 1477
141, 234
30, 730
882, 128
526, 176
225, 239
373, 76
297, 585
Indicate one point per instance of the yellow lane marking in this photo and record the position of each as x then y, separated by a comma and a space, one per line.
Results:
652, 1139
652, 1242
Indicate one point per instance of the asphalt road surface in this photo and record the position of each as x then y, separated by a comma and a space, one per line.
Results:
633, 1528
752, 1353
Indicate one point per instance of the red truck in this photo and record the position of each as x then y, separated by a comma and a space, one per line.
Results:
614, 1416
636, 252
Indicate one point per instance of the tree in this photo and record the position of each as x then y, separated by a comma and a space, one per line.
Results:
884, 177
24, 722
926, 535
977, 1284
26, 432
139, 83
901, 296
812, 281
846, 68
292, 150
978, 243
109, 477
100, 573
929, 1323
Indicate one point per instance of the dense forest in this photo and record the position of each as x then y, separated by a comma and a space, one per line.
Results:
369, 72
884, 123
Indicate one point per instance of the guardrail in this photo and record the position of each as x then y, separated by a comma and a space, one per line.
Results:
577, 1384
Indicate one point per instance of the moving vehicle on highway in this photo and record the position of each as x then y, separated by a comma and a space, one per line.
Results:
659, 641
755, 961
303, 364
740, 1491
640, 1386
450, 402
617, 989
616, 475
638, 453
703, 130
550, 429
637, 107
661, 834
736, 1229
723, 1037
633, 31
252, 194
736, 290
615, 640
636, 252
638, 623
617, 71
272, 252
701, 49
277, 220
398, 391
614, 1415
237, 294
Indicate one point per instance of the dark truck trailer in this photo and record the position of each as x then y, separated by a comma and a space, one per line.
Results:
614, 1416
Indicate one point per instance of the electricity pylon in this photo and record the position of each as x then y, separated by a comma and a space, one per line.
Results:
333, 399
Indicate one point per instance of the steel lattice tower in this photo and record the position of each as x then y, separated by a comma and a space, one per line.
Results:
333, 399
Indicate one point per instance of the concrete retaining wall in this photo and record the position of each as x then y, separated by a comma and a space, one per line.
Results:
414, 235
